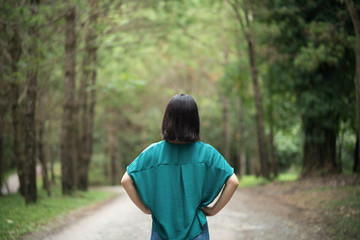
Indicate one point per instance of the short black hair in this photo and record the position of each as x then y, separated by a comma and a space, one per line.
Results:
181, 122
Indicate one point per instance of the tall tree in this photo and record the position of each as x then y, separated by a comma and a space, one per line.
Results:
41, 143
87, 101
273, 157
240, 138
4, 99
17, 109
316, 59
30, 106
226, 112
3, 109
113, 150
245, 24
353, 9
67, 138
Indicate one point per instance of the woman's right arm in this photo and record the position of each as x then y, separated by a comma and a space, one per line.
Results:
229, 189
130, 188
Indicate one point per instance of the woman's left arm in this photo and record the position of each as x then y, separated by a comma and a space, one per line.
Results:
130, 188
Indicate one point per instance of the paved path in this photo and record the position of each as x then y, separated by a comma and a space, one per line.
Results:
248, 216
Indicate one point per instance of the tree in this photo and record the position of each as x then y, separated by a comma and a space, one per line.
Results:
4, 103
17, 109
68, 127
315, 58
273, 157
30, 106
113, 151
226, 112
5, 93
247, 32
41, 144
87, 101
353, 10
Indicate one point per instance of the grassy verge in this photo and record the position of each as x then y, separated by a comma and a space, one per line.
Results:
344, 210
253, 181
17, 219
332, 202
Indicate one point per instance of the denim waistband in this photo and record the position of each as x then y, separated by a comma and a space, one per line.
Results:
204, 235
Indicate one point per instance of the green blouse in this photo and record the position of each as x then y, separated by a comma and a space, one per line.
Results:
175, 181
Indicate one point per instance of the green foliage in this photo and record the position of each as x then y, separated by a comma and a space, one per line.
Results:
97, 172
289, 145
150, 50
315, 64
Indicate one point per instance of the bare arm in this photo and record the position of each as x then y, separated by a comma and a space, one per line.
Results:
130, 188
229, 189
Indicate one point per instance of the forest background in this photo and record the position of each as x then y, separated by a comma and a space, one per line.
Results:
85, 84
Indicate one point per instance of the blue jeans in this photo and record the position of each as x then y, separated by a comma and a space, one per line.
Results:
204, 235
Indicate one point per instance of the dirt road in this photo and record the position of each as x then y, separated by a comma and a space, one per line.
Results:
249, 215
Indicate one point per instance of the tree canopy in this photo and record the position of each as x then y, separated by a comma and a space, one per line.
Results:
88, 81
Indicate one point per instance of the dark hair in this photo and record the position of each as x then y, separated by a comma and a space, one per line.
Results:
181, 121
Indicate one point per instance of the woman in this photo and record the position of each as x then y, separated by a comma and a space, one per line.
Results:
176, 179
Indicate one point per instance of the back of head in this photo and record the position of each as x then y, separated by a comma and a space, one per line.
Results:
181, 121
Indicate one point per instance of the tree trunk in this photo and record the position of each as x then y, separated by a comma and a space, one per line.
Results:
91, 116
254, 74
226, 127
4, 103
30, 107
241, 149
1, 144
42, 158
274, 161
240, 133
30, 138
356, 165
258, 104
273, 157
356, 22
42, 147
17, 111
52, 153
67, 140
18, 136
113, 146
86, 104
319, 150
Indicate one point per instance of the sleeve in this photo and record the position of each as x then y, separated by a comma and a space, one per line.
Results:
132, 168
140, 179
139, 163
136, 165
216, 175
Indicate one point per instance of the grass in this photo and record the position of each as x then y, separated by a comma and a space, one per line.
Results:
288, 177
253, 181
16, 218
346, 213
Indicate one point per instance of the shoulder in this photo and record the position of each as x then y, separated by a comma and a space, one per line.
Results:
207, 148
154, 147
145, 157
214, 158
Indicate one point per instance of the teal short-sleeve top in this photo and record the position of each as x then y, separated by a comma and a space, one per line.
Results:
175, 181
